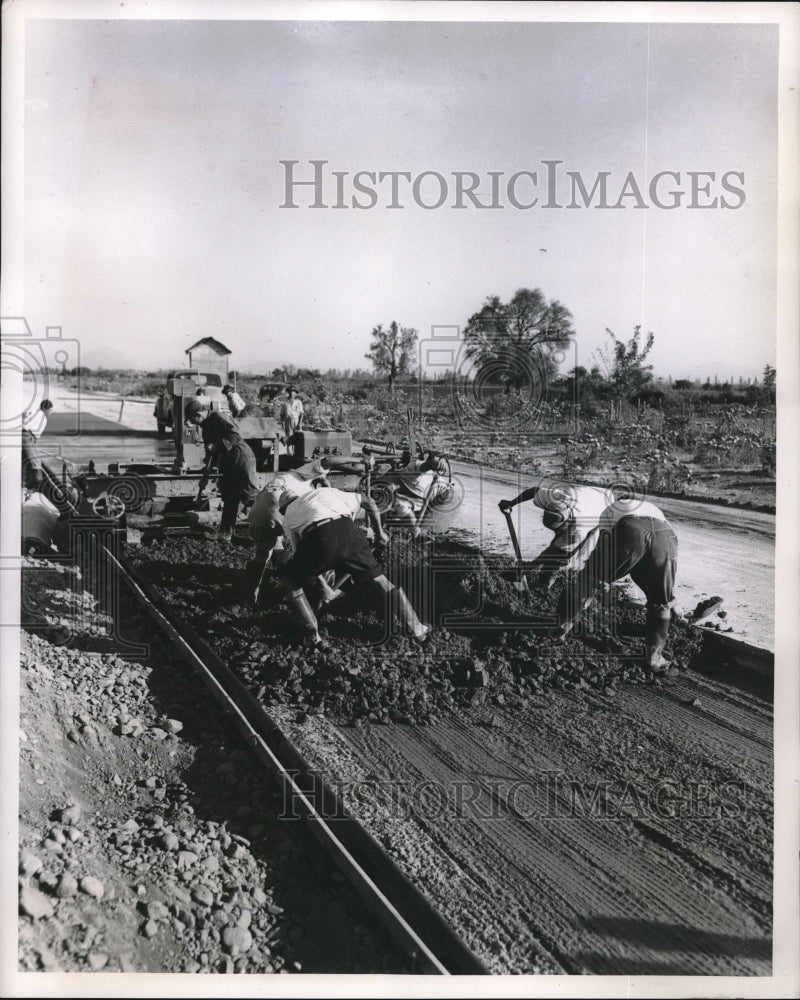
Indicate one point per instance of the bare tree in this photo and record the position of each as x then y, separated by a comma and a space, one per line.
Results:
391, 351
624, 363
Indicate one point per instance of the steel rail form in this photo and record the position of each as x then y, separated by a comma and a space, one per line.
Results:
417, 928
740, 654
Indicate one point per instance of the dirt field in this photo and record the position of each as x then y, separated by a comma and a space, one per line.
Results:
566, 811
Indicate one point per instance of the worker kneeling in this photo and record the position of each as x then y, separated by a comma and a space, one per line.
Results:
631, 538
319, 528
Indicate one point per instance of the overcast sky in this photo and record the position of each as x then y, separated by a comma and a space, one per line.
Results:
153, 187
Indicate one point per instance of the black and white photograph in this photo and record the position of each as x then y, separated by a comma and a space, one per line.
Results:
399, 499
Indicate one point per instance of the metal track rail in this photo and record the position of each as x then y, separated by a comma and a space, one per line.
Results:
740, 654
414, 925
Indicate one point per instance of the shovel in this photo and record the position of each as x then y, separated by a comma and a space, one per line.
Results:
257, 591
427, 501
522, 583
333, 593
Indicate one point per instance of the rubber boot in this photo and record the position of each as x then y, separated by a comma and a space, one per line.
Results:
656, 632
408, 617
302, 609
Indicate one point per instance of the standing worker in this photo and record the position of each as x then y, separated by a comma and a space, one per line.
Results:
291, 415
632, 537
33, 426
570, 512
235, 402
234, 458
319, 527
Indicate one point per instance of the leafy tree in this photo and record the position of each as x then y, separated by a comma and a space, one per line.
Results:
770, 378
624, 362
391, 351
515, 339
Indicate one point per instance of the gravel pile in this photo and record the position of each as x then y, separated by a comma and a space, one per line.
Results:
149, 840
495, 655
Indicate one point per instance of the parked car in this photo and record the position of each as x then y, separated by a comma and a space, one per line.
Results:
206, 384
270, 391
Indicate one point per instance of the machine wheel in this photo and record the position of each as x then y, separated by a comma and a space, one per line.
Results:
133, 490
380, 491
34, 547
108, 505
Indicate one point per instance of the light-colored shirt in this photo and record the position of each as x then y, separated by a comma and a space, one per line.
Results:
613, 513
629, 508
265, 507
315, 506
291, 412
580, 506
236, 403
416, 483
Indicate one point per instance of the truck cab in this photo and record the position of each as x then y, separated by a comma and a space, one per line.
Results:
184, 383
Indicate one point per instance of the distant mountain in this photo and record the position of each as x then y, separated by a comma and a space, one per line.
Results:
111, 357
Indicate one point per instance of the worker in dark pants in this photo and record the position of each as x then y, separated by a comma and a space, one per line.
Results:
234, 459
319, 528
632, 538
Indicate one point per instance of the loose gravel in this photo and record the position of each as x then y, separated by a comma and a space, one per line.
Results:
150, 841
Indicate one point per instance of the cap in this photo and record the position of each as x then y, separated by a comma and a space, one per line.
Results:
286, 497
193, 407
227, 388
556, 496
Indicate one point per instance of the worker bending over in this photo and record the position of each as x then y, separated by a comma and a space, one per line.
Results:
266, 521
632, 537
227, 450
415, 487
570, 512
319, 528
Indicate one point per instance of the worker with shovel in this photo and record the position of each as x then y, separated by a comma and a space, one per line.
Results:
319, 527
570, 512
266, 522
633, 538
234, 458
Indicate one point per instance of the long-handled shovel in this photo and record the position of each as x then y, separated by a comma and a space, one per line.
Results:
522, 583
432, 489
257, 591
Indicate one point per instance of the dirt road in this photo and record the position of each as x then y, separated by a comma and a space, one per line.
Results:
723, 551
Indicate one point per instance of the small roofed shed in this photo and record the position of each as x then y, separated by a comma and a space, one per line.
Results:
209, 355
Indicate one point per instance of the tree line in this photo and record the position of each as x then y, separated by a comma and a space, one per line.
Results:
511, 344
